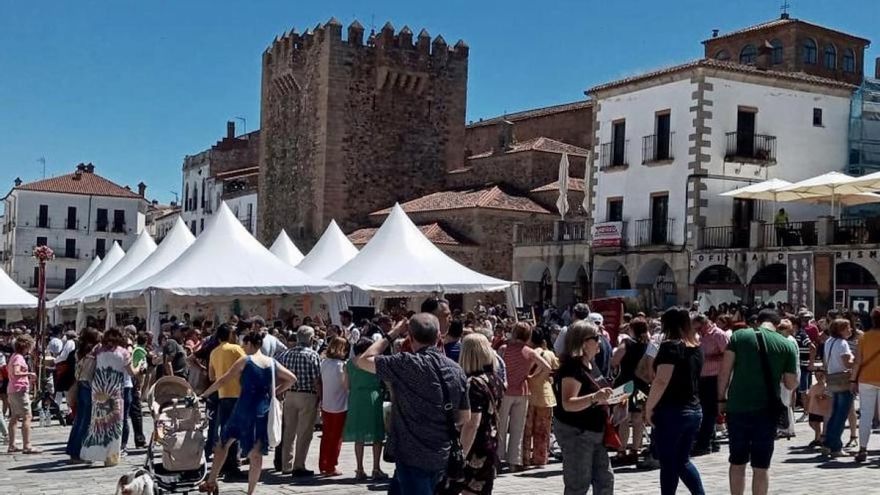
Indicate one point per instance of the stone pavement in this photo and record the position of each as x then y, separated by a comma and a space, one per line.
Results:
794, 471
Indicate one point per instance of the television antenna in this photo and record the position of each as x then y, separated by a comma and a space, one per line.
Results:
243, 123
784, 8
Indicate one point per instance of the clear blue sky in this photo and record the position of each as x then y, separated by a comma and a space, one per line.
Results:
135, 86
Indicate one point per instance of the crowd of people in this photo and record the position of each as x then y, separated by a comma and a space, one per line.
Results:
452, 399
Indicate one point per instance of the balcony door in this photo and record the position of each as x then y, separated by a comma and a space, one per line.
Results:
618, 143
663, 130
744, 212
745, 133
659, 218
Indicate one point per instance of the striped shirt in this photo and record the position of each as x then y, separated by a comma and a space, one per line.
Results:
517, 369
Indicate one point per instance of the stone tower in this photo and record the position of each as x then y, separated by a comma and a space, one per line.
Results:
348, 126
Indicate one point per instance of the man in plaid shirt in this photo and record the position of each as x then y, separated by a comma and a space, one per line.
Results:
300, 402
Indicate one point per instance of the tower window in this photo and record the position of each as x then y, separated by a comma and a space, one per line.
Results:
817, 117
849, 60
722, 55
748, 54
830, 57
776, 53
809, 51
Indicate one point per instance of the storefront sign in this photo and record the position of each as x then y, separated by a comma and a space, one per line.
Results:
800, 279
607, 234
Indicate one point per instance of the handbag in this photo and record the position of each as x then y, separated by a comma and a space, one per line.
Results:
840, 381
775, 407
455, 464
274, 420
610, 437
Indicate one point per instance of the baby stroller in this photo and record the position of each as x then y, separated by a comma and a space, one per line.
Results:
176, 451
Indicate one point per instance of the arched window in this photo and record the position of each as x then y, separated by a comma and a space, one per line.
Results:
748, 54
776, 53
722, 55
809, 50
830, 57
849, 60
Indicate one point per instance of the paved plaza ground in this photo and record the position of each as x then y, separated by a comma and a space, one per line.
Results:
795, 471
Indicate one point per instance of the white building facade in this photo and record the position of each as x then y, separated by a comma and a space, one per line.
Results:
670, 142
78, 215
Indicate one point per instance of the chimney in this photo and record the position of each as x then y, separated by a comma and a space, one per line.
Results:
81, 168
765, 51
714, 33
142, 188
230, 129
505, 135
17, 181
89, 168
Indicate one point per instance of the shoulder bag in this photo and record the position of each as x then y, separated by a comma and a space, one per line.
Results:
456, 463
836, 382
274, 420
611, 437
775, 407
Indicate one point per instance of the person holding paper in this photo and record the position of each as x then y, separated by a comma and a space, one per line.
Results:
673, 406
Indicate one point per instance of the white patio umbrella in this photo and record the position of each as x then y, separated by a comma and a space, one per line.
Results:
562, 201
831, 184
765, 191
842, 199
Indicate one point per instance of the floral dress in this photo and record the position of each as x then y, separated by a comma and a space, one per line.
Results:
104, 438
485, 390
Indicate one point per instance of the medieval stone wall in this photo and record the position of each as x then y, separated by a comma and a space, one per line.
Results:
351, 126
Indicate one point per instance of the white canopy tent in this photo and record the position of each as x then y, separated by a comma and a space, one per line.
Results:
225, 262
400, 261
142, 248
831, 184
54, 311
12, 296
286, 250
332, 251
72, 297
178, 240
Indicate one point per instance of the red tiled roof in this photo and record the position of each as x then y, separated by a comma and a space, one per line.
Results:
574, 184
492, 198
727, 66
535, 112
779, 22
544, 144
433, 231
81, 183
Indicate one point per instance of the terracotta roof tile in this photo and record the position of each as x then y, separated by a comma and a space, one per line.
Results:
492, 198
79, 183
532, 113
433, 231
574, 184
779, 22
727, 66
544, 144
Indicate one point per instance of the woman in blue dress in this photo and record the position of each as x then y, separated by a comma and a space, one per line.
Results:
249, 421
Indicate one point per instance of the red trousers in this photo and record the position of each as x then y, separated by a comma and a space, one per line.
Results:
331, 440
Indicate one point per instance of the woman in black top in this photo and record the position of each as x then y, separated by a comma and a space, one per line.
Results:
581, 414
626, 358
673, 406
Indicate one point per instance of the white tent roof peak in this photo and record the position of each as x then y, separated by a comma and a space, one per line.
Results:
139, 251
178, 240
286, 250
331, 251
227, 261
12, 295
113, 256
85, 279
400, 259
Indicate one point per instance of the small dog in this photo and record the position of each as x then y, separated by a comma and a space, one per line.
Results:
138, 482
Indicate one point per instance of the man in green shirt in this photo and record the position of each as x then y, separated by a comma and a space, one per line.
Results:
743, 389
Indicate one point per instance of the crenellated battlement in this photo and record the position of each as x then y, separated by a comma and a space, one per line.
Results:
386, 41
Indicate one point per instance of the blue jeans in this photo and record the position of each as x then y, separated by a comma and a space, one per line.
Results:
81, 421
126, 405
674, 434
409, 480
841, 402
211, 405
